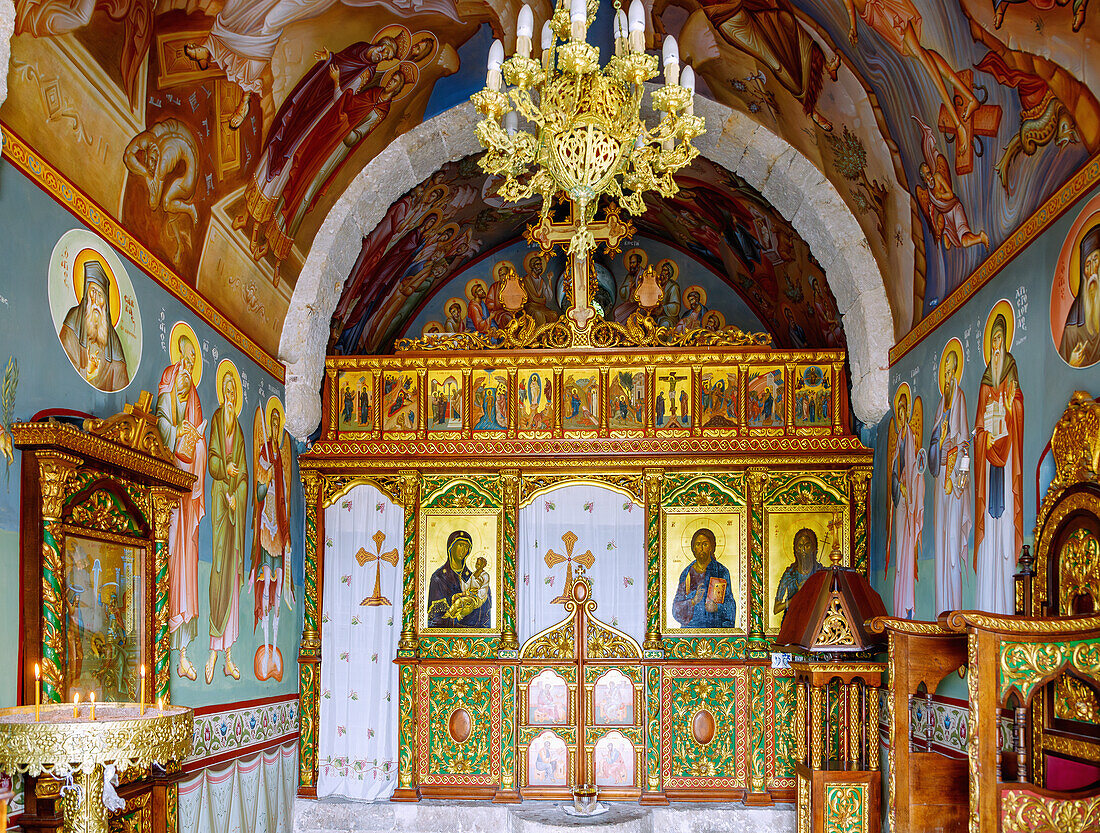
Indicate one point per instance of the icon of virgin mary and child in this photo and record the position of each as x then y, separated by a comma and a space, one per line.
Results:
459, 597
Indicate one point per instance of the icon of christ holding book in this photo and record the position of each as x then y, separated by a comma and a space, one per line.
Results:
704, 598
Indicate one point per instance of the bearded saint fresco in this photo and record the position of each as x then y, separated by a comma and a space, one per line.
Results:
998, 468
89, 337
1080, 342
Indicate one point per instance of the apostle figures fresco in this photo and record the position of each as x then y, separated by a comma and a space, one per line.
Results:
998, 468
179, 418
1080, 344
228, 467
704, 597
457, 597
906, 505
949, 463
271, 545
88, 334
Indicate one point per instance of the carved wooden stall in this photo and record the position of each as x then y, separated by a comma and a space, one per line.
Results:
1065, 581
925, 790
96, 509
1011, 657
714, 423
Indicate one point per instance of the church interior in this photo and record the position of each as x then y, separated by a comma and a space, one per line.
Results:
611, 414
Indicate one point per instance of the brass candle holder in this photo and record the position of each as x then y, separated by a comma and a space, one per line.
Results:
75, 750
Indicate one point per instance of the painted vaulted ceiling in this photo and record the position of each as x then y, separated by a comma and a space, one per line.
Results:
221, 133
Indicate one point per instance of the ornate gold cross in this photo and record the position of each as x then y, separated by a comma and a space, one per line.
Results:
611, 230
586, 559
376, 599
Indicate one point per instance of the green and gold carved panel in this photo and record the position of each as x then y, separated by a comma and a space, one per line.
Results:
846, 808
705, 730
459, 728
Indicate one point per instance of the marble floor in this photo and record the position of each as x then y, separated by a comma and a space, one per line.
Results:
339, 815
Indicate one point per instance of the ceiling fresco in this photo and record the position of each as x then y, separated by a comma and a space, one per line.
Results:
220, 132
453, 224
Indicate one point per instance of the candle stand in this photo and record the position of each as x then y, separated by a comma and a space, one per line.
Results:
75, 750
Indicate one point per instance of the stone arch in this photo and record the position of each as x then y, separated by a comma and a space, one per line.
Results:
789, 181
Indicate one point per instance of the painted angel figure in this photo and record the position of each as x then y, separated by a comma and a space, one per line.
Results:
271, 545
905, 508
944, 210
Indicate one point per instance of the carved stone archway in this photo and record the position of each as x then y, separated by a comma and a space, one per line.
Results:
786, 178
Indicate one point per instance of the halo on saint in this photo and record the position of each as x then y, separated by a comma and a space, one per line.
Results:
227, 368
401, 35
952, 348
690, 529
470, 286
182, 328
1002, 307
273, 405
698, 290
903, 388
412, 74
84, 256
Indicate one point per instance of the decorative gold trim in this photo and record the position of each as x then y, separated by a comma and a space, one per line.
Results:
1073, 747
834, 628
135, 428
1023, 810
961, 620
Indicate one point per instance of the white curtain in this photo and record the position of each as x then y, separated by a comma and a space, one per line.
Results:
357, 748
608, 525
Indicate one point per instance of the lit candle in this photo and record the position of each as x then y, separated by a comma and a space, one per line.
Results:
37, 691
636, 18
76, 705
524, 29
496, 58
578, 18
91, 698
160, 704
670, 53
687, 80
143, 689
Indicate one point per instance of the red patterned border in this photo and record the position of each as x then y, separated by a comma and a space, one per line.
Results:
84, 208
1055, 206
425, 673
741, 714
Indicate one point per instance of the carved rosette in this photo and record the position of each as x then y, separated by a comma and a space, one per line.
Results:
846, 808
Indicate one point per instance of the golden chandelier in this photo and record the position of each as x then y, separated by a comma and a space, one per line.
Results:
587, 138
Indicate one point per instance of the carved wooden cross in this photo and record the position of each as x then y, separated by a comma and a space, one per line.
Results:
611, 230
586, 559
985, 121
376, 599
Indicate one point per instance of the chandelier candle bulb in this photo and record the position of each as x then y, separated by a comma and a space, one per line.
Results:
687, 81
525, 28
547, 45
622, 28
511, 122
578, 18
670, 56
637, 26
37, 691
496, 58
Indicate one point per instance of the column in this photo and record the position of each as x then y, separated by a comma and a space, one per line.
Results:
309, 652
164, 504
54, 469
654, 482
